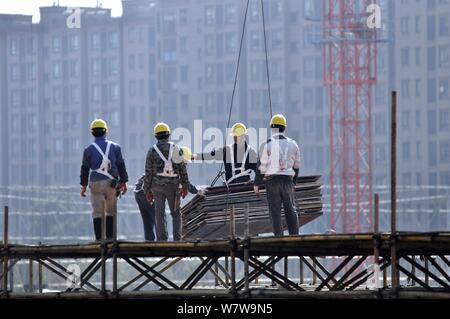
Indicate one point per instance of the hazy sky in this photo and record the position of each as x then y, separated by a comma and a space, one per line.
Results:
31, 7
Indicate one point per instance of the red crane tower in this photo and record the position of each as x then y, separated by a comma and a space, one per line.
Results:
350, 71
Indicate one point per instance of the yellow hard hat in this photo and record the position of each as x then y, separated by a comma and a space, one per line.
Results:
187, 153
99, 123
161, 128
278, 120
238, 129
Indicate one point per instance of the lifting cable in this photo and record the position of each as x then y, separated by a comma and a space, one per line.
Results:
221, 172
267, 57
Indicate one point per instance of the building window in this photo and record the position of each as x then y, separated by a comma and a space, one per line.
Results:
96, 93
380, 124
184, 101
406, 154
14, 72
255, 41
132, 88
431, 59
74, 68
209, 74
417, 56
168, 22
418, 151
210, 15
183, 16
57, 95
184, 73
59, 146
444, 120
56, 44
405, 88
277, 39
444, 57
13, 47
404, 25
444, 25
444, 152
56, 70
75, 94
169, 50
444, 89
432, 154
95, 41
169, 75
113, 38
96, 67
432, 91
132, 35
230, 14
276, 69
15, 98
113, 66
114, 91
404, 56
405, 119
210, 45
74, 42
131, 62
431, 28
231, 42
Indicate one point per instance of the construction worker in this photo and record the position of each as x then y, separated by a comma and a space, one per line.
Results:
165, 170
240, 159
279, 168
104, 169
146, 208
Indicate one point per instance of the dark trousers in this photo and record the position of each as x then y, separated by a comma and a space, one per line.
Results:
280, 191
171, 194
148, 215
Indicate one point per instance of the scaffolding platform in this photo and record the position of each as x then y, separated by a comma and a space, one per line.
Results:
306, 266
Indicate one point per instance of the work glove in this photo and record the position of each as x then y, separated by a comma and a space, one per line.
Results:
83, 191
123, 188
183, 192
149, 196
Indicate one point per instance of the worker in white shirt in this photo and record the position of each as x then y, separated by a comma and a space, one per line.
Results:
279, 168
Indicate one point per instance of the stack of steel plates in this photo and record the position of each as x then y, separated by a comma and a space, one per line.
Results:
207, 217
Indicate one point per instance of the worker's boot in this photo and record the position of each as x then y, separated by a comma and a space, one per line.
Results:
98, 228
109, 227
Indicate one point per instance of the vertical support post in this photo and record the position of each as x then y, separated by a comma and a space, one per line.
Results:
30, 273
40, 277
227, 280
115, 247
246, 247
427, 277
103, 258
394, 261
376, 242
216, 269
232, 249
286, 268
301, 270
413, 271
314, 277
5, 250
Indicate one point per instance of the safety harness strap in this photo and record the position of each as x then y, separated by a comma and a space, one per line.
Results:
106, 163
